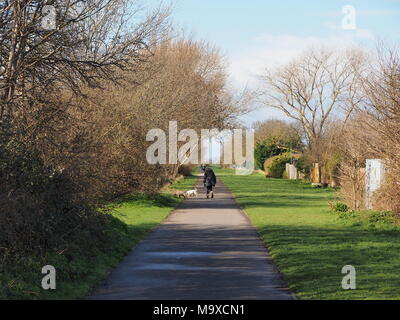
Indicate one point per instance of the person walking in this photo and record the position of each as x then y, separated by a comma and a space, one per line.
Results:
210, 180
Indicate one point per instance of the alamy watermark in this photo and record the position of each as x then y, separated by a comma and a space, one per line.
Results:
349, 280
49, 18
349, 21
49, 280
236, 147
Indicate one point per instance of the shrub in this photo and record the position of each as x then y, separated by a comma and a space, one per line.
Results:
185, 170
382, 217
340, 207
348, 215
264, 151
367, 218
41, 210
276, 166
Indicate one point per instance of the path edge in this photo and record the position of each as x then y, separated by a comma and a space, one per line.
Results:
271, 260
149, 233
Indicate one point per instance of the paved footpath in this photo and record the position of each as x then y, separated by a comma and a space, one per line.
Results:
205, 250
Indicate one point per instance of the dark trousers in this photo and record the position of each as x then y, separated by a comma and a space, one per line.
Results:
209, 189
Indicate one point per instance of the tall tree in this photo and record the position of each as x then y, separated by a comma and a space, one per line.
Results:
87, 41
314, 87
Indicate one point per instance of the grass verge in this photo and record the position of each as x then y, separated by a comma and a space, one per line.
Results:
310, 245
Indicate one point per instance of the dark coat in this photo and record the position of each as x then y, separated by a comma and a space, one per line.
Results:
209, 178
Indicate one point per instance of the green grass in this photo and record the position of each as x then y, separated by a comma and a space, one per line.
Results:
310, 245
129, 221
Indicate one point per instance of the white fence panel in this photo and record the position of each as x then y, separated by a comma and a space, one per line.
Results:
374, 176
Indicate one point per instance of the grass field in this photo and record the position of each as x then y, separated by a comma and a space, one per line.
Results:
130, 220
310, 245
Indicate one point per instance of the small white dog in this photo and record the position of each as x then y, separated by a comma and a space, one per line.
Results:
191, 193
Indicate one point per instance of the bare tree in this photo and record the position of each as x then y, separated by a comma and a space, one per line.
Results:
90, 40
182, 81
46, 145
381, 86
313, 88
352, 142
278, 130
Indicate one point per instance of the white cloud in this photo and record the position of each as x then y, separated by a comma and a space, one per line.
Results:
349, 35
265, 51
268, 51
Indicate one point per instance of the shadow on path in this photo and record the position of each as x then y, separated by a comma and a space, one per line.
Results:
205, 250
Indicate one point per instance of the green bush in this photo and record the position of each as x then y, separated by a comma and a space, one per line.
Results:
382, 217
277, 166
340, 207
265, 150
347, 215
370, 219
43, 220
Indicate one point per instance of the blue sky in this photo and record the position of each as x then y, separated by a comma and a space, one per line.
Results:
259, 34
231, 23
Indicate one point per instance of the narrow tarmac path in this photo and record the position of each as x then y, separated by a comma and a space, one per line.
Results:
205, 250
